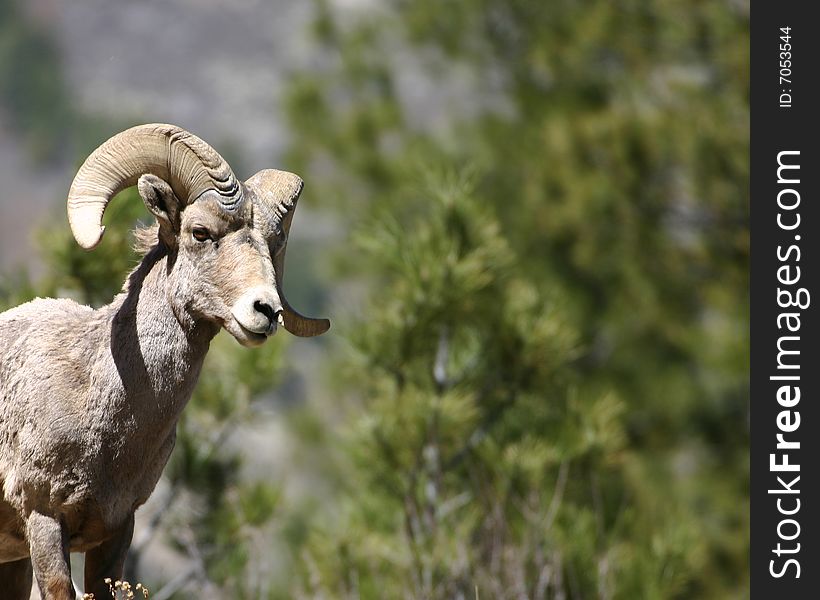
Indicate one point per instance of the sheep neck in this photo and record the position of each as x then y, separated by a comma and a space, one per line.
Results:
157, 347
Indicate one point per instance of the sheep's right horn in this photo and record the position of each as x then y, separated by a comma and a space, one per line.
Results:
275, 194
189, 165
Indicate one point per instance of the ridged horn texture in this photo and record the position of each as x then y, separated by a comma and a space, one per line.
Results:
188, 164
275, 194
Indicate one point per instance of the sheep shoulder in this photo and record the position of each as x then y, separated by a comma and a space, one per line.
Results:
46, 353
46, 347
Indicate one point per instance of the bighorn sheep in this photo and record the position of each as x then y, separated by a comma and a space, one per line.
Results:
89, 399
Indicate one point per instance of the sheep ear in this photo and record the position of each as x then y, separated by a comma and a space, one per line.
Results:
160, 199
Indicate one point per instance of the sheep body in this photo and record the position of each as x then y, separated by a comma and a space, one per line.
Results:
76, 437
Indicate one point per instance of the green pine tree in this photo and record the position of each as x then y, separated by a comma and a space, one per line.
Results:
586, 430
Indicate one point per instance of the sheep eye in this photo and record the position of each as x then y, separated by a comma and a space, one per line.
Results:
201, 234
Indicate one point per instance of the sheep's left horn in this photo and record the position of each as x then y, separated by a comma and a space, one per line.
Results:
189, 165
275, 194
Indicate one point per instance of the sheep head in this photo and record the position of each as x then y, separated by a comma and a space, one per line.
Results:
225, 239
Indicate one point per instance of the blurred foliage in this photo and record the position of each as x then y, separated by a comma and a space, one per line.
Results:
32, 92
590, 286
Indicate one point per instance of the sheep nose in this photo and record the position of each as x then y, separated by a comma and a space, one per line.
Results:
273, 315
259, 310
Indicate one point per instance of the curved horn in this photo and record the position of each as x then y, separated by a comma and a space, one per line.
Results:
275, 194
187, 163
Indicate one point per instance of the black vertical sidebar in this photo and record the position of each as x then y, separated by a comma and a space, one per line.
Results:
785, 330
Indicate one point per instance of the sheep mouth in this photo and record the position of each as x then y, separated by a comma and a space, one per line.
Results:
248, 337
254, 335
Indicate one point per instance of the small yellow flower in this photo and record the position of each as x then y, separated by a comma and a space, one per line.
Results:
121, 590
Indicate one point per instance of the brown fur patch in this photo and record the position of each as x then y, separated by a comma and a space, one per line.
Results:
58, 587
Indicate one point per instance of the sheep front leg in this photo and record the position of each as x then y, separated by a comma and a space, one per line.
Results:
48, 544
107, 559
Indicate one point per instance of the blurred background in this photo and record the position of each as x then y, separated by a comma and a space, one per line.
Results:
528, 221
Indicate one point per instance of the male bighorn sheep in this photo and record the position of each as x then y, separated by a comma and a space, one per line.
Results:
89, 399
